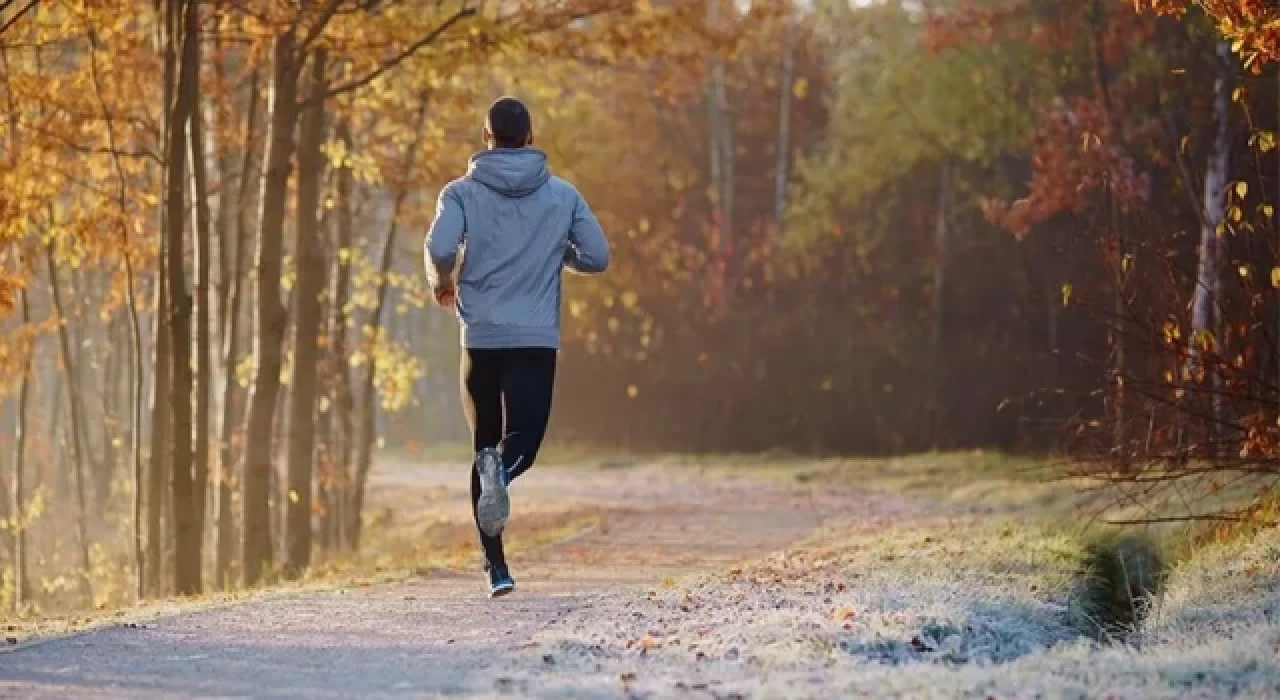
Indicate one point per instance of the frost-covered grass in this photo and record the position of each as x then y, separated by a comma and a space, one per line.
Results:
934, 602
948, 608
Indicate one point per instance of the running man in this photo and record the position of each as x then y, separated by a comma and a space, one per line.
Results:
516, 227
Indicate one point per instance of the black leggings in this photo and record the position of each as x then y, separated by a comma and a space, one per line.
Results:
506, 396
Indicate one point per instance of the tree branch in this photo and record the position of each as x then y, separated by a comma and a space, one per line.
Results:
373, 75
13, 20
326, 14
1176, 519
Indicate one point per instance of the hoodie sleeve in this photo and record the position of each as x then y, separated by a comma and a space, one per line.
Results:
444, 238
588, 251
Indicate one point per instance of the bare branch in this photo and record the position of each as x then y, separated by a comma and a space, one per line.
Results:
417, 46
1216, 518
18, 16
326, 14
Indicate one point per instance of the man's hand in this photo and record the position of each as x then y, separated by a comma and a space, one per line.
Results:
446, 295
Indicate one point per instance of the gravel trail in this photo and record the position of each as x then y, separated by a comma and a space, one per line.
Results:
437, 634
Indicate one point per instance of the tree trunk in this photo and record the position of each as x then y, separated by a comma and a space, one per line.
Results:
134, 332
17, 493
367, 414
256, 544
204, 303
55, 437
109, 403
158, 474
74, 290
1206, 314
941, 252
782, 168
232, 395
1115, 330
339, 484
720, 148
366, 421
186, 538
77, 447
135, 427
310, 283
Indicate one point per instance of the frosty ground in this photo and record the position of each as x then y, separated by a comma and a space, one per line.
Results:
714, 580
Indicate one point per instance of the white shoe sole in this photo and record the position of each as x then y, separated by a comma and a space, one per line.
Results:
494, 506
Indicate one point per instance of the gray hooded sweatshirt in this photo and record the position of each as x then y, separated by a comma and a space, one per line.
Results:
516, 227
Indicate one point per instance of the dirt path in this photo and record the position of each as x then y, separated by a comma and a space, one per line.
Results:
438, 634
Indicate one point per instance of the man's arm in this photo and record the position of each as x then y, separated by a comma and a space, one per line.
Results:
588, 251
443, 240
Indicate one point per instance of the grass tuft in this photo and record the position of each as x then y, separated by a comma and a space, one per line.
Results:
1123, 575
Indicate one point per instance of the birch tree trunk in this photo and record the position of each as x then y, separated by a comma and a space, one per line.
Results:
1206, 315
204, 317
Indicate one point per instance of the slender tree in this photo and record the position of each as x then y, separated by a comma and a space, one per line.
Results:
232, 396
256, 550
941, 251
341, 433
186, 536
1206, 313
204, 311
74, 407
307, 314
366, 424
17, 488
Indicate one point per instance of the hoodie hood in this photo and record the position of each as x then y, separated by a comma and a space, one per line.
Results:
511, 172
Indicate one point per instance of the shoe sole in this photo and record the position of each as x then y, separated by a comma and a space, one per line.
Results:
494, 506
500, 592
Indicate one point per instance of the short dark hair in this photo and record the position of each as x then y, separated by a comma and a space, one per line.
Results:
509, 123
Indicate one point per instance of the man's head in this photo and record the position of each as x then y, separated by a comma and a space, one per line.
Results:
508, 125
